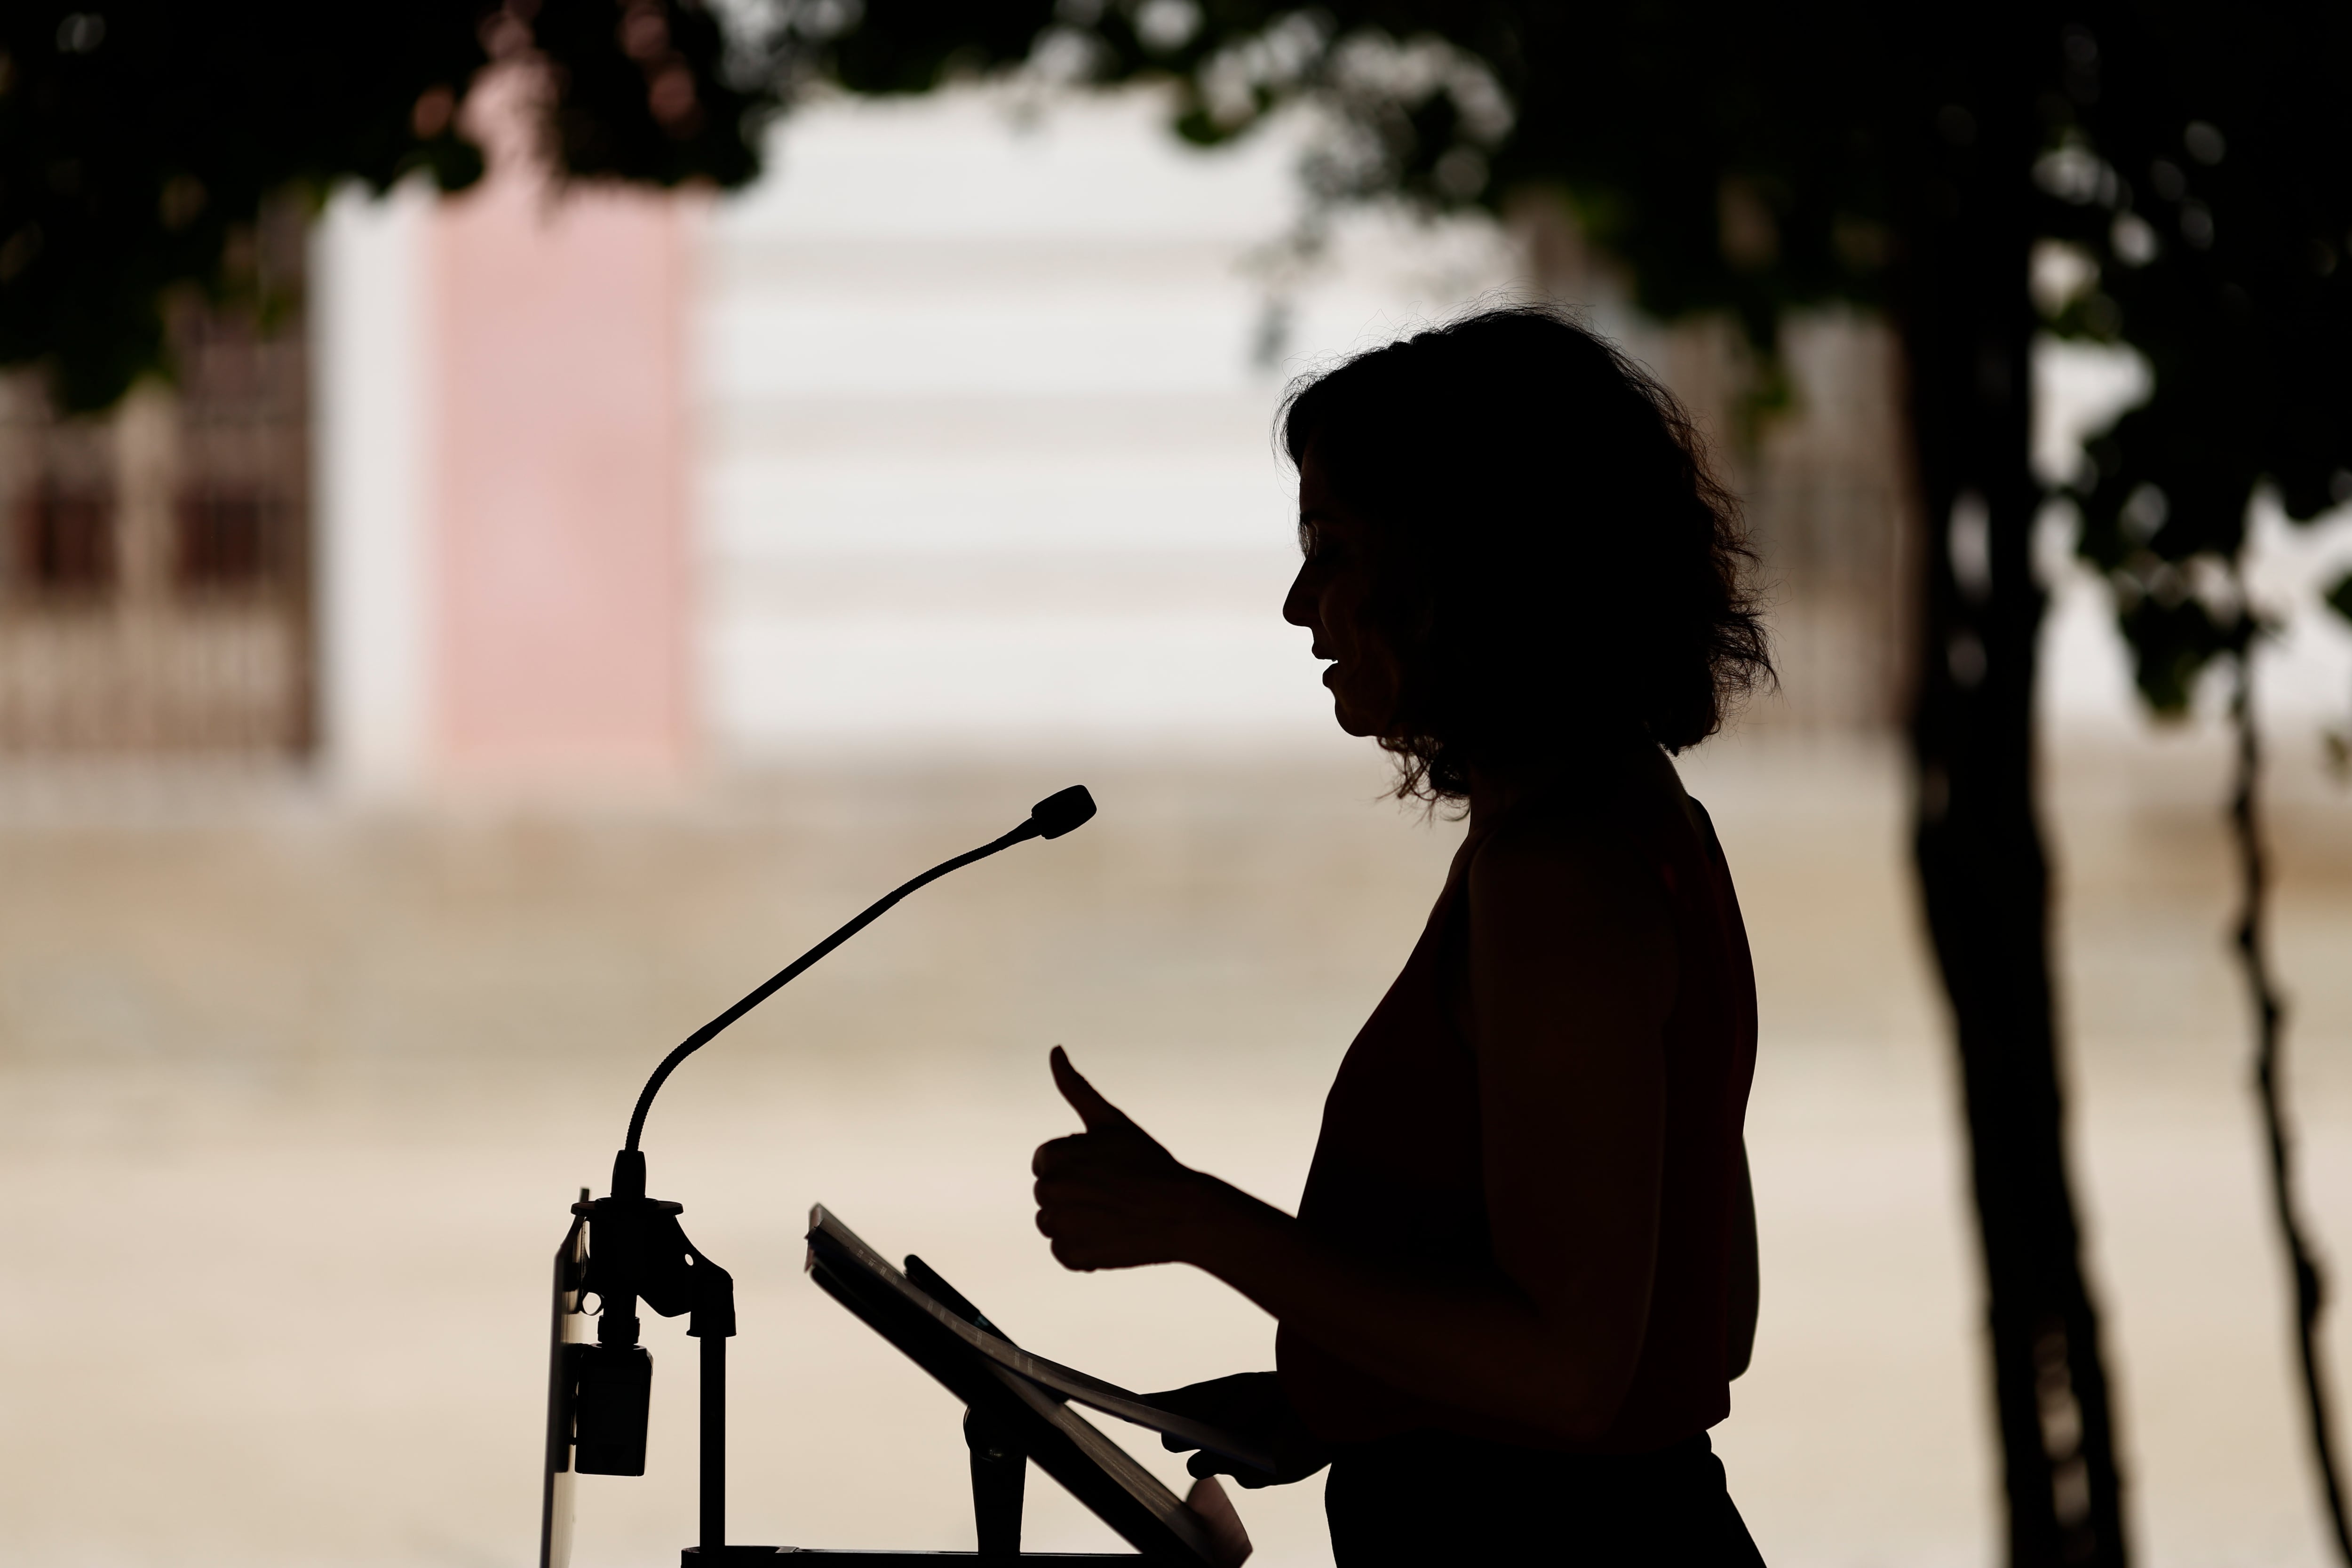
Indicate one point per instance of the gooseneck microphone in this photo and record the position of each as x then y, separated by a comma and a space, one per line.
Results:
601, 1393
1050, 818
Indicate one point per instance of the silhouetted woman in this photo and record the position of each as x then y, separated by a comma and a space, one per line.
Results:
1524, 1269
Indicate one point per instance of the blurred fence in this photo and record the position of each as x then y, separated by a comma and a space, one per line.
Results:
154, 583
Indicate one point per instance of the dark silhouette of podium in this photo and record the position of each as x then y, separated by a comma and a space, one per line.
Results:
1017, 1409
1016, 1405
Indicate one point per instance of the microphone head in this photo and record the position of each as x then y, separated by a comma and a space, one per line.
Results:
1062, 811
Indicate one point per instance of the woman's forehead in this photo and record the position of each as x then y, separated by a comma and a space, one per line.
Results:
1318, 502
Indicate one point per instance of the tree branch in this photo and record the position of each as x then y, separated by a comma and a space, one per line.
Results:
2270, 1014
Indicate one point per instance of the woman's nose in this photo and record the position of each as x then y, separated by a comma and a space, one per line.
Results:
1298, 604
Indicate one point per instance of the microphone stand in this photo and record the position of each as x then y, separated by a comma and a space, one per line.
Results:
599, 1408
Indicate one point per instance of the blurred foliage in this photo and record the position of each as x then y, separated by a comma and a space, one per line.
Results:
2196, 182
2196, 190
2211, 189
140, 138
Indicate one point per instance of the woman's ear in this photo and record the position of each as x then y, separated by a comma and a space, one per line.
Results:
1403, 631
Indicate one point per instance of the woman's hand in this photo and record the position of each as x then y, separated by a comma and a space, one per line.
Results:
1252, 1406
1111, 1198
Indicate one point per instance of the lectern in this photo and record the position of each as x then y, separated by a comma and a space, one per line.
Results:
627, 1249
1016, 1410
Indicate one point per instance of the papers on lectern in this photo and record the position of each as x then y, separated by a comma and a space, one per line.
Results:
1026, 1400
1090, 1392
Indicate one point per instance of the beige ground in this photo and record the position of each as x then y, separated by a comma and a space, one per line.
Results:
291, 1101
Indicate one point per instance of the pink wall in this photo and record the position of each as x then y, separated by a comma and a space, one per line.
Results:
561, 626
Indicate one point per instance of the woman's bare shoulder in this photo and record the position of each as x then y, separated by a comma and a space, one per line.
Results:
1569, 863
1569, 926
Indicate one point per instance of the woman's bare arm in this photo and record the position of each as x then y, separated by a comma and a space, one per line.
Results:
1746, 1287
1571, 978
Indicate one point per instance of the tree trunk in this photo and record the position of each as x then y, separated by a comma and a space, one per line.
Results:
1967, 326
2252, 943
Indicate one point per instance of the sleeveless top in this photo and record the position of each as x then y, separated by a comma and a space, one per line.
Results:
1397, 1175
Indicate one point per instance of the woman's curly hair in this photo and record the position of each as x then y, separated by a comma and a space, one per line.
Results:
1552, 556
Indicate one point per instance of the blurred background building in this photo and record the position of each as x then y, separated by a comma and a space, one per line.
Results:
593, 598
954, 430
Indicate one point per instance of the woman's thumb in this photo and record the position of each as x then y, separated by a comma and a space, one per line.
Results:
1098, 1114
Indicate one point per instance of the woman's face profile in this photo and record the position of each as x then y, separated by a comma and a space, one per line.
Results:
1332, 598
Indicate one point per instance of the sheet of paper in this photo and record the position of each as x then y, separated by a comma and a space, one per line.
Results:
1077, 1387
